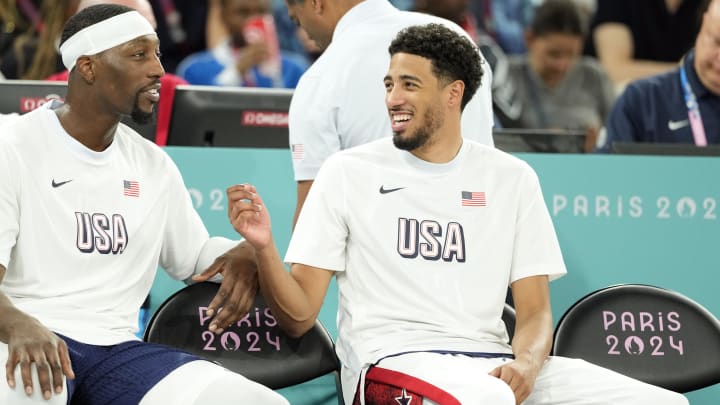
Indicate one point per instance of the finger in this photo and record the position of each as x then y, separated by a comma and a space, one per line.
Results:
211, 271
232, 309
10, 366
26, 374
65, 361
217, 307
224, 318
42, 368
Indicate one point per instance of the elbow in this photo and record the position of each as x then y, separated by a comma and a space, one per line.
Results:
297, 329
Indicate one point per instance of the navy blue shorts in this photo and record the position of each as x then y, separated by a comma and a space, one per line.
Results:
120, 374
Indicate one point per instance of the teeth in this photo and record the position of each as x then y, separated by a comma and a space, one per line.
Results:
401, 117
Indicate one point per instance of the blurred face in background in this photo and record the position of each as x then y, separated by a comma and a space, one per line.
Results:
707, 49
553, 54
235, 14
305, 15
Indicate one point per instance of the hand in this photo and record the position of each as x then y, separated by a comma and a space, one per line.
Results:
237, 289
519, 375
253, 54
30, 342
248, 215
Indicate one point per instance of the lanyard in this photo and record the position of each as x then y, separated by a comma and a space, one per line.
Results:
693, 108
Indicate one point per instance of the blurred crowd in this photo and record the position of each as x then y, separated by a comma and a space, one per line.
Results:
557, 64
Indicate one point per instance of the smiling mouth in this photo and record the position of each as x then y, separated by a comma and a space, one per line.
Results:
400, 121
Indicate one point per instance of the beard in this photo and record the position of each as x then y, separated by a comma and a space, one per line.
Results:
139, 116
432, 121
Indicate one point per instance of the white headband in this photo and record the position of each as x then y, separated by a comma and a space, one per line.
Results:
104, 35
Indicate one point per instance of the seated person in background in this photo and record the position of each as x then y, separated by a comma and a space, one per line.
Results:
243, 59
423, 264
556, 86
681, 106
503, 89
88, 210
33, 54
635, 39
168, 81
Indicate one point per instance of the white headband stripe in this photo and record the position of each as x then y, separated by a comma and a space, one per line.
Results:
104, 35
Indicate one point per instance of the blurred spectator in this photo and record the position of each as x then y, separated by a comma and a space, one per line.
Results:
242, 59
33, 54
17, 18
557, 87
181, 26
168, 81
681, 106
291, 38
639, 38
503, 88
505, 21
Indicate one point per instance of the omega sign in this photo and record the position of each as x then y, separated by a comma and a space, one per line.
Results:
30, 103
265, 119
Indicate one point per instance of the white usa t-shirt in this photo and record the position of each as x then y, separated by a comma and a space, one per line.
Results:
82, 232
424, 252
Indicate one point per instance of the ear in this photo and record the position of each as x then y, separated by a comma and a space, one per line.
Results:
317, 6
455, 93
85, 67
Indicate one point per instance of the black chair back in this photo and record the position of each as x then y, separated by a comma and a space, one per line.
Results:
655, 335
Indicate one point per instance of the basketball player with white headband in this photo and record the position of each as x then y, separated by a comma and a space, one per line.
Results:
88, 210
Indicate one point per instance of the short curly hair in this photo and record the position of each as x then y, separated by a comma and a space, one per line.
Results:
453, 56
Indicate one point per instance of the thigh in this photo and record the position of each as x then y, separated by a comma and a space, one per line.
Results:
119, 374
17, 395
565, 381
202, 382
465, 378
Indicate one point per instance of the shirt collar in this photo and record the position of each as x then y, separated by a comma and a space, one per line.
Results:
361, 12
697, 87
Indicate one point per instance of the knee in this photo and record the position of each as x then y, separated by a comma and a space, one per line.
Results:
654, 395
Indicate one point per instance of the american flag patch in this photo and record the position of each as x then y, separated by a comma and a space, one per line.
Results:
473, 199
298, 151
131, 188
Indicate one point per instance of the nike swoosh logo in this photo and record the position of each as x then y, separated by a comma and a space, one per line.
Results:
384, 190
56, 185
675, 125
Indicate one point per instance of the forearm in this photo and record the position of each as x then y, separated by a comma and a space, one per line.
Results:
533, 338
286, 298
624, 71
10, 316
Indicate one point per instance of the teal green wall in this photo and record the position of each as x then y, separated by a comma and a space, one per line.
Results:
619, 219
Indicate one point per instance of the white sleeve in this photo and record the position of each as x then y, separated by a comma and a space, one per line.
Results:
185, 234
10, 181
536, 249
312, 127
320, 235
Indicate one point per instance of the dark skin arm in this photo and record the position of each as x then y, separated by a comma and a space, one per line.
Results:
238, 288
30, 342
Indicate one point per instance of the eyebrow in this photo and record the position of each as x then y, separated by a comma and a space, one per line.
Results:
405, 77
